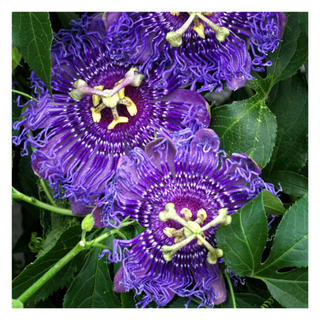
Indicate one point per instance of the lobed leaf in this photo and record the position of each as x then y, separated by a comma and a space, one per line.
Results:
243, 242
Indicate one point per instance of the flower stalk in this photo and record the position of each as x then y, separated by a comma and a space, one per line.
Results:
82, 245
18, 195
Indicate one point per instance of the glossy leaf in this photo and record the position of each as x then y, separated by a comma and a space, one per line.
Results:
290, 245
243, 242
271, 203
291, 183
289, 288
32, 35
248, 300
66, 17
291, 109
127, 299
16, 58
247, 127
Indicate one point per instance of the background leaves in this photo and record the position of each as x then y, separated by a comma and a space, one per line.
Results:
243, 243
32, 35
249, 126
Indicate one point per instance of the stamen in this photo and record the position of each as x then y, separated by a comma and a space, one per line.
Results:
131, 107
187, 214
222, 219
221, 32
175, 13
191, 230
96, 115
131, 78
115, 122
175, 37
201, 215
169, 251
170, 213
82, 89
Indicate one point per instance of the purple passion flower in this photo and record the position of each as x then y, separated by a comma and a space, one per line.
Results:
102, 108
210, 48
180, 192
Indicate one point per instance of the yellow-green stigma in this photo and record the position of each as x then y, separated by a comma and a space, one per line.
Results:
175, 37
191, 230
109, 98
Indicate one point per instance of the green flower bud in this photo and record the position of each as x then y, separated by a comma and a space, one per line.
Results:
87, 223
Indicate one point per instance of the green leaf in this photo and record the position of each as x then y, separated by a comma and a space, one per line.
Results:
290, 288
16, 58
303, 22
290, 245
248, 300
92, 287
291, 54
291, 183
291, 109
243, 242
272, 204
40, 266
28, 178
66, 17
127, 299
247, 127
32, 35
58, 225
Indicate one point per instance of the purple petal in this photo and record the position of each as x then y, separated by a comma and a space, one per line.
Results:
282, 23
117, 286
78, 208
96, 213
192, 97
159, 156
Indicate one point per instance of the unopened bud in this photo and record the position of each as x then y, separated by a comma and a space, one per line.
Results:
87, 223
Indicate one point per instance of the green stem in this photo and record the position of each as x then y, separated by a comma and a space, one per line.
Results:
231, 289
107, 234
50, 273
195, 300
24, 94
18, 195
82, 245
99, 245
249, 91
47, 192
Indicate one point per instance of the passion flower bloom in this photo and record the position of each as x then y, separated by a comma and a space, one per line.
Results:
102, 108
211, 48
180, 191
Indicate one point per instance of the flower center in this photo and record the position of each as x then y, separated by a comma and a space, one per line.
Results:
110, 98
175, 37
191, 230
